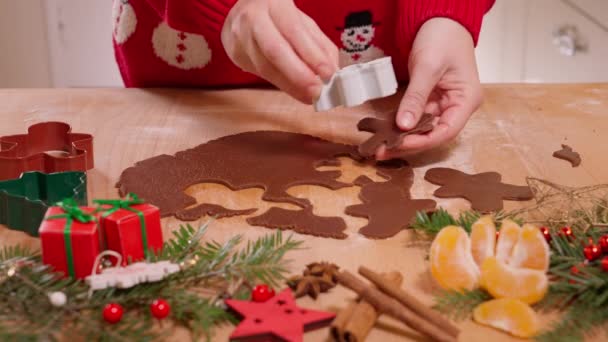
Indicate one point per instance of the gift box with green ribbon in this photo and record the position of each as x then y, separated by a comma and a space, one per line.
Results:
70, 238
131, 227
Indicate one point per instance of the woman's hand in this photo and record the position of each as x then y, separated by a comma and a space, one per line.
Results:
276, 41
443, 81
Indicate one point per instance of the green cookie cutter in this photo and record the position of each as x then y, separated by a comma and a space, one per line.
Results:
24, 201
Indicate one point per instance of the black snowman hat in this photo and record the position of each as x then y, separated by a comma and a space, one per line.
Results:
358, 19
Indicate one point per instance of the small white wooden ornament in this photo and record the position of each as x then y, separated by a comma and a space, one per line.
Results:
358, 83
57, 298
128, 276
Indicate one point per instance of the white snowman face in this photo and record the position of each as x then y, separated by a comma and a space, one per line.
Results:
357, 38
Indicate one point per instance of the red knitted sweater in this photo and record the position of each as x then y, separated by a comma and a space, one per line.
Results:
176, 43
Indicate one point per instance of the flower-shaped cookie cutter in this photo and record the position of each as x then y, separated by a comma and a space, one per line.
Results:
24, 201
47, 147
358, 83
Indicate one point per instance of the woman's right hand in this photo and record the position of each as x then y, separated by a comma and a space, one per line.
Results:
276, 41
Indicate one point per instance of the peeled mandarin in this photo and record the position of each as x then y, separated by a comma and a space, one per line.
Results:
504, 281
509, 234
452, 263
483, 239
531, 249
510, 315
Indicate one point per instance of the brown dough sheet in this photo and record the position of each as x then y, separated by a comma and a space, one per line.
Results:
301, 221
208, 209
271, 160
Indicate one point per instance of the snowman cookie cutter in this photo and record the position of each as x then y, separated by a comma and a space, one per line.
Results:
357, 84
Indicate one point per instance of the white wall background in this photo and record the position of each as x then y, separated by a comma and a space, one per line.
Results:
68, 43
23, 45
80, 43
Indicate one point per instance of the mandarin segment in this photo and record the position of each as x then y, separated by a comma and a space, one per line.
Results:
510, 315
507, 239
504, 281
483, 239
531, 249
452, 263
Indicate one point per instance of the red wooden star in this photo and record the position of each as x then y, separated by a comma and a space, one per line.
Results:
279, 317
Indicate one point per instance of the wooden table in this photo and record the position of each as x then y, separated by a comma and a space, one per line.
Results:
514, 133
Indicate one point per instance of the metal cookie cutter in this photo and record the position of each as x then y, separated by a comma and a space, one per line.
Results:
24, 201
357, 84
47, 147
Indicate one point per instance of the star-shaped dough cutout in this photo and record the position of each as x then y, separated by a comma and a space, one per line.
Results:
278, 317
485, 190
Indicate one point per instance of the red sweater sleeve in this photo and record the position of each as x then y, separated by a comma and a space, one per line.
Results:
469, 13
186, 15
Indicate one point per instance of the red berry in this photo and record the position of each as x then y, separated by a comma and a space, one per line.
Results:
112, 313
567, 232
574, 271
603, 241
605, 264
160, 308
262, 293
546, 233
592, 252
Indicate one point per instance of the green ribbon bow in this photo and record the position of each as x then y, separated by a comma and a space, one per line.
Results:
130, 200
72, 212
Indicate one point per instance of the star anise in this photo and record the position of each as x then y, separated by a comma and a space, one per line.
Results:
322, 269
309, 285
318, 277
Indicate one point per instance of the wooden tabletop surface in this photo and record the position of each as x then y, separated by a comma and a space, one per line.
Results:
515, 133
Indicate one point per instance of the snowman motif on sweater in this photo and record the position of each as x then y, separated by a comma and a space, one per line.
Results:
357, 39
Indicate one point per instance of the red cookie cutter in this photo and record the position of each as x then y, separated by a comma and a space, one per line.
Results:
47, 147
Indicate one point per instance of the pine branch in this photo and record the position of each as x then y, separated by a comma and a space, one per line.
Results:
9, 253
580, 320
198, 314
460, 305
433, 223
210, 268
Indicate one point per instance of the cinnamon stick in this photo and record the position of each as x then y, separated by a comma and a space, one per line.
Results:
387, 305
339, 323
409, 301
362, 316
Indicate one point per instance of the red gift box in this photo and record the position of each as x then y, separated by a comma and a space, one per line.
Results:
70, 239
131, 227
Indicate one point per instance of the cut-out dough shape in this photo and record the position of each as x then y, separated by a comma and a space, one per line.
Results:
386, 132
301, 221
569, 155
388, 205
485, 190
270, 160
358, 83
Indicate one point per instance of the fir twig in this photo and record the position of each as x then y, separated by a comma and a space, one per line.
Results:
460, 305
208, 267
